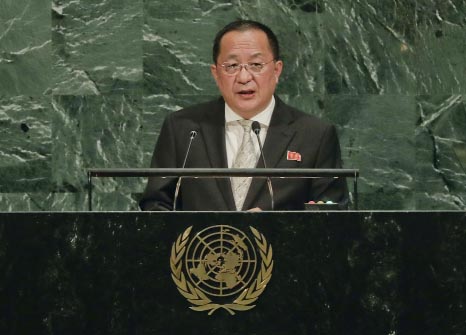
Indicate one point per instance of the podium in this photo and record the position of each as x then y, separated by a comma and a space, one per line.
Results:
265, 173
333, 273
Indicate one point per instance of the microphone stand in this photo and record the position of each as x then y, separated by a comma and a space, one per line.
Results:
192, 135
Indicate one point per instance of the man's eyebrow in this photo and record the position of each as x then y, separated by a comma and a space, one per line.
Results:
232, 57
257, 54
235, 56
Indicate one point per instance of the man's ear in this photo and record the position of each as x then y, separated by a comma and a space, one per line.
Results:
278, 69
213, 70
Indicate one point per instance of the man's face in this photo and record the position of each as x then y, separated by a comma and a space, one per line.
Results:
247, 93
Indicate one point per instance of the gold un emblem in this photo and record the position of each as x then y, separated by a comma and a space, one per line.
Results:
219, 268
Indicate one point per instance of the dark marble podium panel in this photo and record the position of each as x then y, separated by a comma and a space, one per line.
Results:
334, 273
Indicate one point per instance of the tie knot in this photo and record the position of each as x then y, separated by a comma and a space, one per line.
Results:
246, 124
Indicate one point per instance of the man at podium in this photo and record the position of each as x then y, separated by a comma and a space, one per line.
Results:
230, 131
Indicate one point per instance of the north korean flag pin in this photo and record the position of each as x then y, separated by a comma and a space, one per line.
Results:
293, 156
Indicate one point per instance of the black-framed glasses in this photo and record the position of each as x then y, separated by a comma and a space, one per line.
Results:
253, 67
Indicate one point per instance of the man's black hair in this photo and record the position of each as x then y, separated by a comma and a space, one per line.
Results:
243, 25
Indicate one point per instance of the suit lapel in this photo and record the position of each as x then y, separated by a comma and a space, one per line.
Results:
279, 135
213, 133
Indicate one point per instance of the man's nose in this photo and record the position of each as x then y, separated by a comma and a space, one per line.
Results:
244, 76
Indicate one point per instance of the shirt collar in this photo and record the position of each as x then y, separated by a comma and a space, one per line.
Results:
263, 117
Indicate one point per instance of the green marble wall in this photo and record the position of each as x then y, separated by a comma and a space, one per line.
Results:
87, 83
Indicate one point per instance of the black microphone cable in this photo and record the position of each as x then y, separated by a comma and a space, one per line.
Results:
257, 129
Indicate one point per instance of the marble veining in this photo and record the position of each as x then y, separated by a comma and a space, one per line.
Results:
97, 46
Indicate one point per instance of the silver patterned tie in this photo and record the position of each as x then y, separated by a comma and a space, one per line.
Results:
245, 158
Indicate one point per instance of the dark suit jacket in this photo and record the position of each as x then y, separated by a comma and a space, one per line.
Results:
290, 129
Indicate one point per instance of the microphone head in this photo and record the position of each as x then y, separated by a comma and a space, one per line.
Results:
256, 127
193, 134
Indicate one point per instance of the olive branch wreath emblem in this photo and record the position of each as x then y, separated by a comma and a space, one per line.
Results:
199, 300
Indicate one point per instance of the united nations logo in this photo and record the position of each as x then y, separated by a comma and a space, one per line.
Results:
221, 267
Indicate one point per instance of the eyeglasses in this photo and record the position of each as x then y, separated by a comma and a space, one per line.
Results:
234, 68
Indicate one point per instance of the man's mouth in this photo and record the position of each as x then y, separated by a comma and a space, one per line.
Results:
246, 93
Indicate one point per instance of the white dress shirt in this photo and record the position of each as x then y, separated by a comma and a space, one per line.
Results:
234, 131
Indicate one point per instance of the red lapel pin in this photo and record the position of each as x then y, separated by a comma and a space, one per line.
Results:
293, 156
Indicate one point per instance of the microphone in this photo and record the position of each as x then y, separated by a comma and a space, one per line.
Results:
256, 128
192, 135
